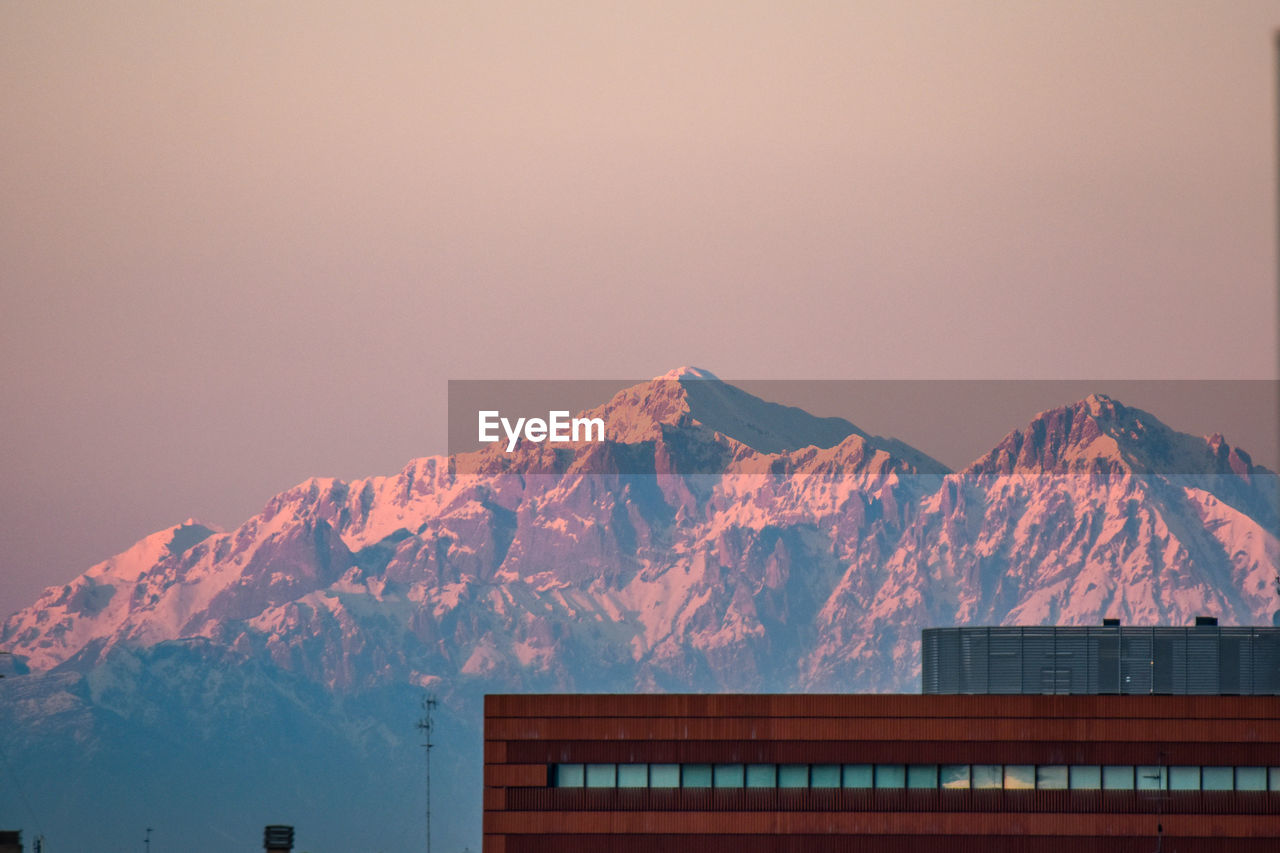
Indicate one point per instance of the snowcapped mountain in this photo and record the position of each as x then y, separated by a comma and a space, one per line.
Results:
1094, 509
716, 542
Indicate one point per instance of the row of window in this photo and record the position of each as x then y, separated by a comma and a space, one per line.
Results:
1089, 777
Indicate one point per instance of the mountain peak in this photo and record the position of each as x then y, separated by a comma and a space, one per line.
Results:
171, 541
687, 372
693, 397
1099, 405
1101, 430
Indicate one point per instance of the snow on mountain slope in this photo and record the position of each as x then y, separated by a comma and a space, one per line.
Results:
727, 566
95, 605
1092, 510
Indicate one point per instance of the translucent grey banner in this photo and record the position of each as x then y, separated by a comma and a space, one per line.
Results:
694, 423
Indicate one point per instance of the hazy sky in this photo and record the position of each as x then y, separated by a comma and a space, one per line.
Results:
244, 243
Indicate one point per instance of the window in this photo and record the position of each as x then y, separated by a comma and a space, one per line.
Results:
1251, 778
728, 776
1217, 778
569, 776
1019, 777
954, 776
922, 776
1086, 777
1152, 778
793, 775
824, 776
891, 775
1184, 778
695, 776
1117, 777
633, 775
762, 776
664, 775
987, 776
602, 775
1051, 777
859, 776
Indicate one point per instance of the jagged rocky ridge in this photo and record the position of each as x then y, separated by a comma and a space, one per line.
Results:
718, 542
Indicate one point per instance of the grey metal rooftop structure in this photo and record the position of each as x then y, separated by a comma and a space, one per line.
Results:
1205, 659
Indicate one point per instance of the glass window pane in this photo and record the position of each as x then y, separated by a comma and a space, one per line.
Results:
602, 775
954, 776
824, 776
1117, 777
1086, 777
1152, 778
857, 775
1019, 777
664, 775
1251, 778
988, 776
1274, 783
1217, 778
922, 776
728, 776
569, 776
1184, 778
633, 775
891, 775
695, 776
762, 775
793, 775
1051, 777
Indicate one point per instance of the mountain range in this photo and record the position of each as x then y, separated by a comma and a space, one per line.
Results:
207, 682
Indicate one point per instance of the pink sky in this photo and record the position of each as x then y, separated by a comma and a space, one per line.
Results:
246, 243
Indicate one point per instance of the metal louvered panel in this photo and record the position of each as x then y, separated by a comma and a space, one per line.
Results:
1203, 660
931, 670
1104, 646
1071, 653
1266, 662
1004, 667
1135, 661
1169, 664
1235, 661
974, 659
1039, 665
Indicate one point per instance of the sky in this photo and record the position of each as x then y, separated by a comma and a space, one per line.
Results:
243, 243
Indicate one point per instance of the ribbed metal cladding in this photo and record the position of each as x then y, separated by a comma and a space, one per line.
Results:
1206, 660
831, 842
869, 800
525, 736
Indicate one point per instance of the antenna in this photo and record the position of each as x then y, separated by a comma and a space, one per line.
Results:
425, 725
147, 840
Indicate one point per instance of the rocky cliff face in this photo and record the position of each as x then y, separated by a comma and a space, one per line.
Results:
718, 542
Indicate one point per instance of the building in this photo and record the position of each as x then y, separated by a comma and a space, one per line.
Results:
886, 773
